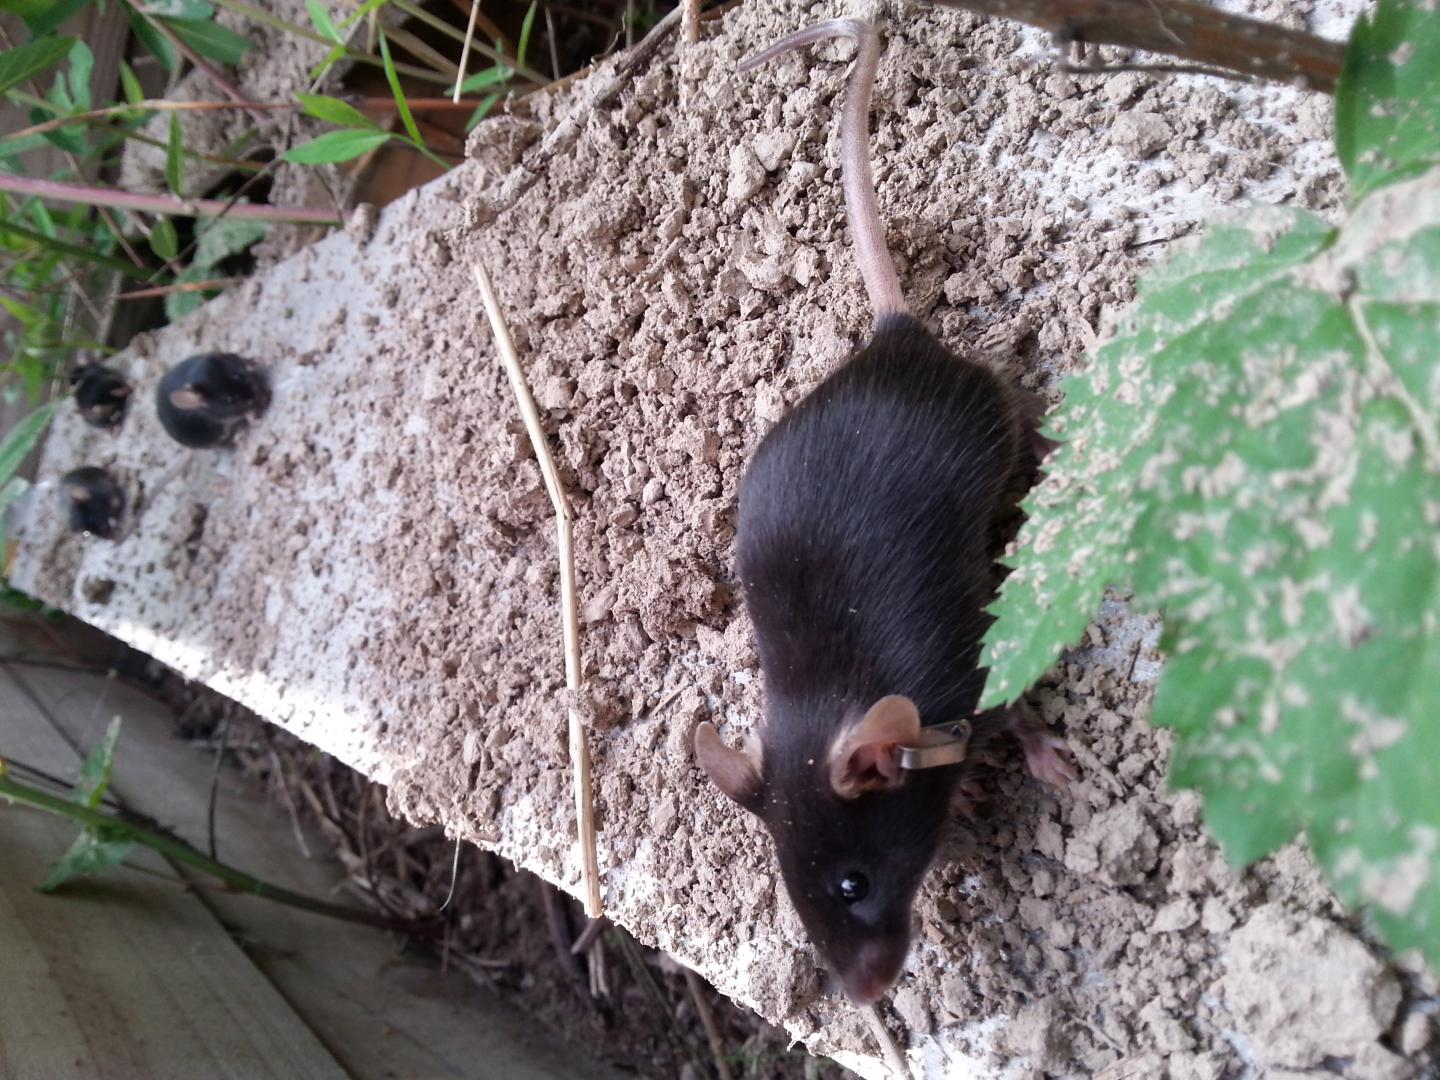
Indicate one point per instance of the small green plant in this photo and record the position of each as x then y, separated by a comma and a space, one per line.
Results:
1256, 453
107, 838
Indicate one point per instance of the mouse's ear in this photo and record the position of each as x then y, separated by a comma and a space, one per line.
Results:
864, 757
735, 772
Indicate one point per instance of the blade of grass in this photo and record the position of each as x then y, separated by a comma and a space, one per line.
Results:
525, 27
239, 7
394, 80
174, 161
72, 251
441, 26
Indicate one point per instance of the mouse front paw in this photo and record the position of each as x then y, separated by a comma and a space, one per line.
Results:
1046, 754
1048, 758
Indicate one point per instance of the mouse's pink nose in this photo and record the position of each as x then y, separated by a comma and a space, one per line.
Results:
874, 970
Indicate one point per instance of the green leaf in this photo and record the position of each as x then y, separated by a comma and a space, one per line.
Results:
95, 771
82, 64
28, 61
180, 304
164, 240
156, 43
178, 9
525, 28
11, 492
211, 40
399, 94
361, 12
489, 77
175, 158
1387, 104
482, 110
320, 19
226, 236
334, 111
21, 439
52, 17
1257, 452
91, 853
26, 9
335, 146
134, 93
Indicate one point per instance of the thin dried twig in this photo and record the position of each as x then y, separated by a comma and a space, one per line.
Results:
591, 934
465, 49
707, 1021
894, 1060
565, 534
62, 191
1196, 32
690, 21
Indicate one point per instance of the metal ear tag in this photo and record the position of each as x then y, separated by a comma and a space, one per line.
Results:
943, 744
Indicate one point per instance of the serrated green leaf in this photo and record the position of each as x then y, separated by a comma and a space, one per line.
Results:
164, 240
334, 111
90, 854
320, 19
211, 40
1387, 103
1258, 453
223, 237
399, 94
180, 304
28, 61
175, 158
95, 770
1087, 504
336, 146
21, 439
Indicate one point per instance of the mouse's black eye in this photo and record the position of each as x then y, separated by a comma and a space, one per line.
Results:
854, 887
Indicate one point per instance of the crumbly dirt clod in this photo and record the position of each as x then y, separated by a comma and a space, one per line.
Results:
377, 567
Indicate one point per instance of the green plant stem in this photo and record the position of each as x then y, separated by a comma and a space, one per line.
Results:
416, 12
161, 204
286, 27
161, 105
181, 852
73, 250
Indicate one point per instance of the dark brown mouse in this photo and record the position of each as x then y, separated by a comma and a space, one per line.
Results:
869, 523
207, 400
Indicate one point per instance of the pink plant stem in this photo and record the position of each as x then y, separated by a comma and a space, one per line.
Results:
61, 191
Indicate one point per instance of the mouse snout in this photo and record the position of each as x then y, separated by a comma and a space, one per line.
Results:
874, 969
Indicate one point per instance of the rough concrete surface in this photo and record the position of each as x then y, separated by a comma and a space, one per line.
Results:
374, 567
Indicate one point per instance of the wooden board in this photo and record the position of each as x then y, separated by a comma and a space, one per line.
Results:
126, 976
381, 1014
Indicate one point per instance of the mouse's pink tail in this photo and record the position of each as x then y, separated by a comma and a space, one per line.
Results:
861, 206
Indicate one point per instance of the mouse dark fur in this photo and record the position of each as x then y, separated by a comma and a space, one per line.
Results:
93, 501
866, 546
101, 395
207, 400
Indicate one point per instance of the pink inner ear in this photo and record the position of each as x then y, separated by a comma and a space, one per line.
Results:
873, 765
